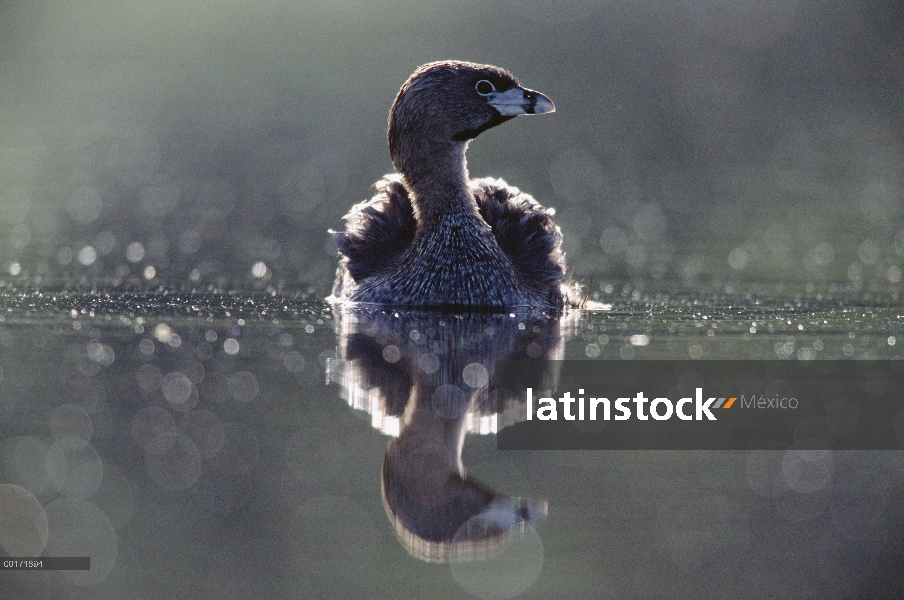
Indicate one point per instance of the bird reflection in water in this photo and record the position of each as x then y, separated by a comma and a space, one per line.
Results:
428, 378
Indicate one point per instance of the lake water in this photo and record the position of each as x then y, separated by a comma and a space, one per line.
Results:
215, 445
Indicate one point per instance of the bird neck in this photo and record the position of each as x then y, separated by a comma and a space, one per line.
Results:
437, 178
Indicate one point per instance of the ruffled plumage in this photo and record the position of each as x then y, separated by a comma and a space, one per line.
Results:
378, 231
381, 230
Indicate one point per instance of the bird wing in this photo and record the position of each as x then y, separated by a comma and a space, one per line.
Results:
378, 231
525, 231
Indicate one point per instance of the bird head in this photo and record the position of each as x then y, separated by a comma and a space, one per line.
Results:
451, 102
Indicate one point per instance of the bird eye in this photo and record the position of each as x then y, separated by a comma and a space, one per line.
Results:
484, 87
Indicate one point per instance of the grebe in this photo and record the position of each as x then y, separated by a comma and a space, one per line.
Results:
433, 237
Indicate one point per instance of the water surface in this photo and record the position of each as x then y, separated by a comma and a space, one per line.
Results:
208, 445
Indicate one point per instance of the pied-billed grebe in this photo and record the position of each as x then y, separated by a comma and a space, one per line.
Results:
433, 237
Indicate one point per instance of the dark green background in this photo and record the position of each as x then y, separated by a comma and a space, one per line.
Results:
693, 142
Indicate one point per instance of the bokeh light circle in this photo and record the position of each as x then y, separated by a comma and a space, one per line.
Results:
79, 528
173, 461
23, 522
70, 425
508, 574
